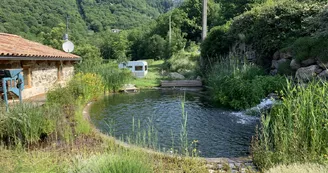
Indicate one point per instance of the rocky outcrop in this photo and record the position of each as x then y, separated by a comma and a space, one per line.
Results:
307, 73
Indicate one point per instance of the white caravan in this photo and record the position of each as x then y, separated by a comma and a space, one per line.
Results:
138, 68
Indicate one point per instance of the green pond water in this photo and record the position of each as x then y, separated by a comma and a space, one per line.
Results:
219, 132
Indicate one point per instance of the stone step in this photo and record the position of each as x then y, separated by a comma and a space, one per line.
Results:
233, 165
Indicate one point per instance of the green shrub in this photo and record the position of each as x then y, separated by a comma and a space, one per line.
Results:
86, 87
295, 130
241, 86
81, 89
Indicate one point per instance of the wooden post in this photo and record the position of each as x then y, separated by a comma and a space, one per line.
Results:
204, 33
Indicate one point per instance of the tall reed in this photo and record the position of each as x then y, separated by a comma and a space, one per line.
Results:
295, 130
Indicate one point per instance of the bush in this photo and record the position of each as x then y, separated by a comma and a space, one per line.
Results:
241, 86
295, 130
215, 45
81, 89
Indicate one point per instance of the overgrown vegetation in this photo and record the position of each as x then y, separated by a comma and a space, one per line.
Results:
240, 85
265, 29
295, 130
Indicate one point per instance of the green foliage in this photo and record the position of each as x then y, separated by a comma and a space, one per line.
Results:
156, 47
296, 130
90, 54
114, 46
240, 86
231, 8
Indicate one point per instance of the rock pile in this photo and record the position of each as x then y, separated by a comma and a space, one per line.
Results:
304, 70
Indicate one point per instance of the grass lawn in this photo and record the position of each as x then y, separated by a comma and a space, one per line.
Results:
153, 78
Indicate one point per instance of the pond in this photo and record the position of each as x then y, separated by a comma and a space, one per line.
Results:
219, 132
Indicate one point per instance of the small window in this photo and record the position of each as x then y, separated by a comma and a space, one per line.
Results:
59, 72
27, 77
146, 68
129, 66
138, 68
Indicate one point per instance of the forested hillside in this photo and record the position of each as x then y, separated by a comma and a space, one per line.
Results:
31, 18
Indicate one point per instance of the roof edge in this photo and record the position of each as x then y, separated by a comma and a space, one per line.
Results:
22, 58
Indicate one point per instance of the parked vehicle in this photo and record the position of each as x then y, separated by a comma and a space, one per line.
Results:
138, 68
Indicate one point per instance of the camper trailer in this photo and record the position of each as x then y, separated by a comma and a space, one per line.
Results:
138, 68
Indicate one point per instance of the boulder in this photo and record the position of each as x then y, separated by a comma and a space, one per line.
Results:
308, 62
323, 65
176, 75
276, 63
276, 55
307, 73
286, 55
295, 65
323, 75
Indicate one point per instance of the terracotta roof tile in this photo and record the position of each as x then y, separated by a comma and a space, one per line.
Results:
16, 46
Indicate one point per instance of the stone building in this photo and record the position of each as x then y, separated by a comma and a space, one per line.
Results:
43, 67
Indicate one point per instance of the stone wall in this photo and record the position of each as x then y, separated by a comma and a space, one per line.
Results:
44, 76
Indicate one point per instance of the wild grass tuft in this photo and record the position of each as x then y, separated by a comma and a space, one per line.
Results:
27, 124
108, 163
296, 130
